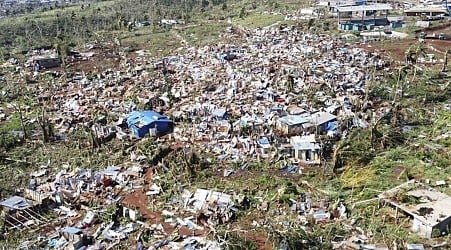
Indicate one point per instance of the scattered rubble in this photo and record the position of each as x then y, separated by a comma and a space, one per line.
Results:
283, 96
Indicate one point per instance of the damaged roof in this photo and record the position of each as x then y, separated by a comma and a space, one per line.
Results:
321, 118
15, 202
293, 120
436, 203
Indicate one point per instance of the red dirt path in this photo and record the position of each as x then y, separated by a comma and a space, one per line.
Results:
397, 49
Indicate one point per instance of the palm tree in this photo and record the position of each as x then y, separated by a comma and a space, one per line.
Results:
45, 125
400, 82
420, 50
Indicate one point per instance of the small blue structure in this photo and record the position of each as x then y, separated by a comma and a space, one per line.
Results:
141, 122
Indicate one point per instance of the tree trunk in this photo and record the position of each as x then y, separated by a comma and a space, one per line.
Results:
43, 123
22, 122
445, 62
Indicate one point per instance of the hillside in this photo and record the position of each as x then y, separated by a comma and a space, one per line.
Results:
218, 125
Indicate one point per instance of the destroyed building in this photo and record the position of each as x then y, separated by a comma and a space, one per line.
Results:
19, 212
73, 238
428, 208
234, 105
47, 63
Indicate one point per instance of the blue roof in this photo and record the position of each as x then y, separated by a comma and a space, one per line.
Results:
293, 120
263, 140
143, 118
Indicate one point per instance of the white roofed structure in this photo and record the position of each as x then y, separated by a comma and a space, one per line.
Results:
364, 8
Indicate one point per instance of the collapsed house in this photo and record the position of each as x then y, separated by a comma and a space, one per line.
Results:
262, 105
19, 212
72, 238
428, 208
214, 207
232, 104
47, 62
323, 122
43, 59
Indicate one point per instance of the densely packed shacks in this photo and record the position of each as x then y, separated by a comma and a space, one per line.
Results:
280, 94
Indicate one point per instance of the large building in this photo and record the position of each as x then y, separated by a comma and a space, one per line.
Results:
427, 10
362, 17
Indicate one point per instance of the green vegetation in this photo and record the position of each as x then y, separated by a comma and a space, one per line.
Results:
259, 20
81, 23
204, 34
108, 20
157, 42
410, 141
11, 133
234, 241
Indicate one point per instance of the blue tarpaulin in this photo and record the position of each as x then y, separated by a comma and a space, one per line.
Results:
263, 140
330, 126
140, 122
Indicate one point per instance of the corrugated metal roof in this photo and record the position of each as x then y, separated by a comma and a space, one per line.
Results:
426, 9
304, 145
293, 120
322, 117
358, 8
15, 202
71, 230
143, 118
